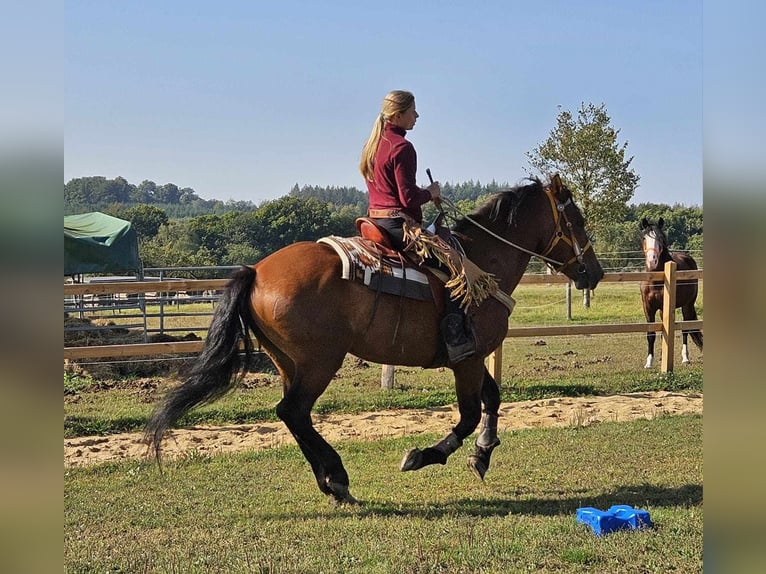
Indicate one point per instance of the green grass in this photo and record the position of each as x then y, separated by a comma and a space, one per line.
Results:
533, 368
262, 512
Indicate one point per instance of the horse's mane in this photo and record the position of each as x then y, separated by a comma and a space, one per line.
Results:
503, 206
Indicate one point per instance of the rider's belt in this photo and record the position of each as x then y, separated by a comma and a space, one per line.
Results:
386, 213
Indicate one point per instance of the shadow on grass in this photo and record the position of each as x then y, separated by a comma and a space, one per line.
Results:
640, 496
78, 426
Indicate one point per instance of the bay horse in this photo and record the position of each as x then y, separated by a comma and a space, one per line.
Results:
654, 243
307, 318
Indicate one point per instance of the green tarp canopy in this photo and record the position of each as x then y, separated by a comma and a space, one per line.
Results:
99, 243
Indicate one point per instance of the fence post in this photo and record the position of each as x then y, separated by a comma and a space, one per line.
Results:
669, 316
387, 377
569, 300
495, 363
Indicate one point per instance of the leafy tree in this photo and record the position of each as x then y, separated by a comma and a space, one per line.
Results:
145, 192
336, 197
241, 254
146, 220
178, 244
289, 219
584, 150
168, 193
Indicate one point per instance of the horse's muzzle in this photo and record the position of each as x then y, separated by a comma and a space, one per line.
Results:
586, 280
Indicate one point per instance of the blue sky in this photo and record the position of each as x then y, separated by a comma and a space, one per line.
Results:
242, 100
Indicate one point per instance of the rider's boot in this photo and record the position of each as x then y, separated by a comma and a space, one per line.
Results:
459, 339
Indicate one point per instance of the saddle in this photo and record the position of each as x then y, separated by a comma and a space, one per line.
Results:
370, 259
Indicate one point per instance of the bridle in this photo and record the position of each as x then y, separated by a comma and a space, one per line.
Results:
559, 213
658, 251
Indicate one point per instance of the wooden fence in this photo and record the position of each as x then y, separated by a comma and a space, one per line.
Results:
666, 328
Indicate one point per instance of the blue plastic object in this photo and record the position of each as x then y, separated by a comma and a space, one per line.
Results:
618, 517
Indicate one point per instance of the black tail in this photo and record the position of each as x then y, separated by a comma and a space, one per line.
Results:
697, 338
214, 371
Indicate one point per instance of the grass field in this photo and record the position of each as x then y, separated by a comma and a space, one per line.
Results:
261, 511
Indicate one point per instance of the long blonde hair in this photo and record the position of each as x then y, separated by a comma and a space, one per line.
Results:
396, 101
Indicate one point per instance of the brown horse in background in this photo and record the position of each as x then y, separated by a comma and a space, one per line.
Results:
307, 318
656, 253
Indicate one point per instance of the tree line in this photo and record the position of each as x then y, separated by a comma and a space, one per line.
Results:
244, 236
177, 228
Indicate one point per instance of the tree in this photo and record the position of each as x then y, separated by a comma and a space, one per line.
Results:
146, 220
168, 193
585, 152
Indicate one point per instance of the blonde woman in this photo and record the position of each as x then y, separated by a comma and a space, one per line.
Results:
389, 166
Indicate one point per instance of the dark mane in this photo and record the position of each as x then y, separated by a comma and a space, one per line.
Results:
503, 206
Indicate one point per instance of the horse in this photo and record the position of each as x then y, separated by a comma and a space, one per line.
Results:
656, 253
307, 318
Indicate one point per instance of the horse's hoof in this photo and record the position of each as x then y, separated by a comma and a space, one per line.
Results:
340, 495
413, 460
344, 500
477, 466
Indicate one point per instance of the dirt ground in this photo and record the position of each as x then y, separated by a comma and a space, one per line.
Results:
559, 412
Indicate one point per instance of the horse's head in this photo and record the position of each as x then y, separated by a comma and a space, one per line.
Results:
653, 242
570, 244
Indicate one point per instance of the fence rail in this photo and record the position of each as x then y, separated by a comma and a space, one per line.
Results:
667, 328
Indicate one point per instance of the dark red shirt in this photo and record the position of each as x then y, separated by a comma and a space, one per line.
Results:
393, 185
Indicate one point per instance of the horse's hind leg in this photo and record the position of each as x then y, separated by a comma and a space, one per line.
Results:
468, 385
295, 410
487, 440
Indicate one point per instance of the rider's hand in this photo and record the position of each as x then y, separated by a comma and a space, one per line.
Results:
436, 192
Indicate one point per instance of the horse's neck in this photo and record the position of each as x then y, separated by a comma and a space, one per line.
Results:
505, 262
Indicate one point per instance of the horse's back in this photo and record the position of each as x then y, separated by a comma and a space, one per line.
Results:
305, 260
684, 261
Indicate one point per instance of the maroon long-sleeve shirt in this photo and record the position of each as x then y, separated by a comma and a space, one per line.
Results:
393, 185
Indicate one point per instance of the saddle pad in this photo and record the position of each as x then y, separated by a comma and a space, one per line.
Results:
362, 262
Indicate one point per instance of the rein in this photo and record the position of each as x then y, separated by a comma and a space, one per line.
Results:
558, 235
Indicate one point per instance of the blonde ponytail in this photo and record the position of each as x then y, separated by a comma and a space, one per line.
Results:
396, 101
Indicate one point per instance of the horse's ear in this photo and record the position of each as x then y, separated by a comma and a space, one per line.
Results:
644, 223
660, 223
556, 184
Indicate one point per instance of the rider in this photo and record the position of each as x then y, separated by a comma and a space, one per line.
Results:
389, 166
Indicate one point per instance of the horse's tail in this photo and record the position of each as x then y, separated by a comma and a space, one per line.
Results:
697, 338
214, 371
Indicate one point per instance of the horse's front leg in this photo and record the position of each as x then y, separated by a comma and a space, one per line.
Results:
487, 440
650, 338
468, 385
